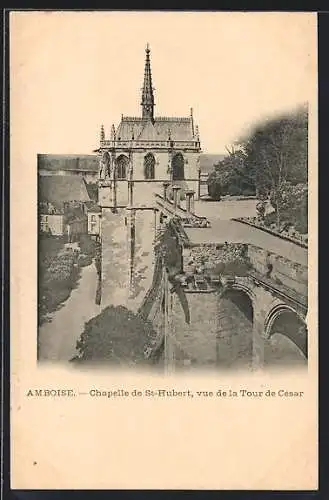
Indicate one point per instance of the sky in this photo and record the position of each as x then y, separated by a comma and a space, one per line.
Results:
73, 71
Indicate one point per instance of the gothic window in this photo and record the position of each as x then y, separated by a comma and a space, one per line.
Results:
149, 163
122, 167
105, 165
178, 167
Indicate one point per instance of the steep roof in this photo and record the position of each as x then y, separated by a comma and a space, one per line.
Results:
60, 189
88, 163
181, 129
207, 161
92, 190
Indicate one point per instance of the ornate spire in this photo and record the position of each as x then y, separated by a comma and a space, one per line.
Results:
102, 134
147, 93
192, 121
112, 133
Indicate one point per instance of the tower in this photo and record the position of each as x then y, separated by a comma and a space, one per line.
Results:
147, 91
141, 155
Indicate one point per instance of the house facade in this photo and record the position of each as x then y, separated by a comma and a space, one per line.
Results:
52, 224
62, 208
94, 222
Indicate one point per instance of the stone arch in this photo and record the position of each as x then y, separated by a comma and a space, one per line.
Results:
177, 164
242, 297
121, 164
149, 164
286, 321
234, 339
243, 287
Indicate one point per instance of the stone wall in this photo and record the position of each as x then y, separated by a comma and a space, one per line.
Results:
196, 341
143, 264
219, 333
127, 255
115, 262
143, 193
284, 271
203, 258
208, 257
162, 162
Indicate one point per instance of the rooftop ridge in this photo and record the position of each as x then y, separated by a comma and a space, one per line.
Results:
173, 118
157, 118
66, 155
133, 119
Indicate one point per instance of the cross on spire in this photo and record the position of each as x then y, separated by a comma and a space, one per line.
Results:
147, 92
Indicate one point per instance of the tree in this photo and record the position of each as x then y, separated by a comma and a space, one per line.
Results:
230, 176
274, 154
116, 335
214, 184
293, 206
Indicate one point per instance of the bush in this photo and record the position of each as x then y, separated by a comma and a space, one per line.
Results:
84, 260
247, 191
116, 335
301, 225
87, 245
215, 190
234, 190
56, 281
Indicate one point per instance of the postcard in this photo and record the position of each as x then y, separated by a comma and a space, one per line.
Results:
163, 181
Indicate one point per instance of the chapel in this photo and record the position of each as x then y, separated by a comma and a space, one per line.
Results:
145, 151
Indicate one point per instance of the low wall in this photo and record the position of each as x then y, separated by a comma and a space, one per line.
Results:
279, 269
269, 231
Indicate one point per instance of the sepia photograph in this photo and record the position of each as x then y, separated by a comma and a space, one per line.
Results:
155, 250
163, 170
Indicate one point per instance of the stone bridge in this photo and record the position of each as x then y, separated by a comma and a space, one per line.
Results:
221, 304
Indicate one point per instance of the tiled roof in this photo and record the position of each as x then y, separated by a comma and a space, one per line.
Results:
60, 189
87, 163
141, 129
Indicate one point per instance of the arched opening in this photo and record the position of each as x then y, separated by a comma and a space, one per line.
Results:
149, 164
234, 341
121, 167
287, 339
178, 167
